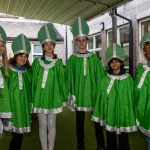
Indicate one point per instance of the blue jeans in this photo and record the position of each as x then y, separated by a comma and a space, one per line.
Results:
148, 142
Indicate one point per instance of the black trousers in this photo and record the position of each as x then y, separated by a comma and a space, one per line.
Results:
80, 116
123, 141
16, 141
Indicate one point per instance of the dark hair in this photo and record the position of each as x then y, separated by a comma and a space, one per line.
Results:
13, 61
122, 65
148, 42
43, 56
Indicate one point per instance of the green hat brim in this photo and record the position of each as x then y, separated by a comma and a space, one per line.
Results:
81, 35
117, 57
48, 40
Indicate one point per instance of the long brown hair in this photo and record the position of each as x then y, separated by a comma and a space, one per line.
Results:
13, 61
5, 63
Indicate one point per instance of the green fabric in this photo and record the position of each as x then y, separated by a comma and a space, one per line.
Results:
21, 44
47, 33
80, 28
20, 100
20, 67
114, 51
47, 61
3, 36
145, 38
115, 109
5, 109
84, 87
53, 95
142, 99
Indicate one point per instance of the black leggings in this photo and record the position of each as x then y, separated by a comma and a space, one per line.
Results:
16, 141
123, 141
80, 115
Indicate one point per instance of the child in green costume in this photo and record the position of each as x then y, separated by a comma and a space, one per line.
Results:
114, 107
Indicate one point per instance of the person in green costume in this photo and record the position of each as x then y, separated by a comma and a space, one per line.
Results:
5, 109
142, 89
115, 108
84, 72
48, 87
19, 83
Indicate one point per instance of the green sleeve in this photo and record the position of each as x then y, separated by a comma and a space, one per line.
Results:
69, 71
99, 71
62, 81
34, 73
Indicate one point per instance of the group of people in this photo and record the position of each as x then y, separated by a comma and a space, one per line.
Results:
113, 98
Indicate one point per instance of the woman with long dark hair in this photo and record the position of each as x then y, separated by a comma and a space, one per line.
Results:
48, 87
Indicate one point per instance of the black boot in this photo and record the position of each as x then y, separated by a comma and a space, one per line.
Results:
100, 148
80, 147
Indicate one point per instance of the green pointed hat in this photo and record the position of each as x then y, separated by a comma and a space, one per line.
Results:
21, 44
114, 51
145, 38
80, 28
47, 34
3, 35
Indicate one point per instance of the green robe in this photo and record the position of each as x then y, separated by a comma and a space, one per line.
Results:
142, 98
5, 109
115, 104
19, 85
48, 86
83, 74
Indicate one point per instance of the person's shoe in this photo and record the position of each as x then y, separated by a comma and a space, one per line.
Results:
80, 147
100, 148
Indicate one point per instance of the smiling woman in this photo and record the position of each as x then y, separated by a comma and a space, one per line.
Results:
48, 87
19, 92
22, 59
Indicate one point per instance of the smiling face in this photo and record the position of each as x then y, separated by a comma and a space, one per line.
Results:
146, 50
2, 47
48, 47
21, 59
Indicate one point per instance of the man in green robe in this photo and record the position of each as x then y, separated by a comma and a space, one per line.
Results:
84, 72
